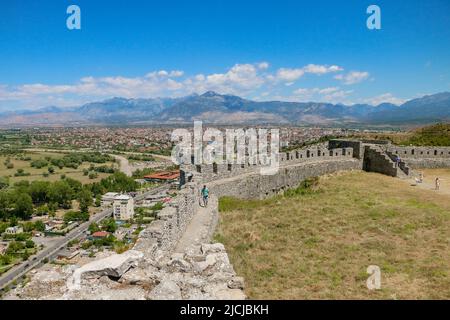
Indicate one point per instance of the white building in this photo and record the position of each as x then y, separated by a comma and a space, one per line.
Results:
14, 230
123, 207
108, 199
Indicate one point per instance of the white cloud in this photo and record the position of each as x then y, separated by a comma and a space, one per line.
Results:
385, 98
331, 94
290, 75
241, 79
263, 65
320, 69
352, 77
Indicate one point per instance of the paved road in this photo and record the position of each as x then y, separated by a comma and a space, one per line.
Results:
124, 164
20, 270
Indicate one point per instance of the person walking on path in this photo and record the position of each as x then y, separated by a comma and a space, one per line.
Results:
437, 183
205, 195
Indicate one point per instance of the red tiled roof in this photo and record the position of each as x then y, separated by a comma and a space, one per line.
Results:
164, 175
100, 234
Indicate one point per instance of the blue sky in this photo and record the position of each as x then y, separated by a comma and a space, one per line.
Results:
288, 50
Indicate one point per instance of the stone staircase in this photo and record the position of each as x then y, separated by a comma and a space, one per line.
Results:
404, 170
378, 160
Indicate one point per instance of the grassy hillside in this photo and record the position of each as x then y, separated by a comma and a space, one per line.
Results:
436, 135
318, 245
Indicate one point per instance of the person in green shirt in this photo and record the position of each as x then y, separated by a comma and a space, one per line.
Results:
205, 195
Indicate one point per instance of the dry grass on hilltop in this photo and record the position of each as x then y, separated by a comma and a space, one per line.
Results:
319, 245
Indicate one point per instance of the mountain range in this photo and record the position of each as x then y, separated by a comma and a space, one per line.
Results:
215, 108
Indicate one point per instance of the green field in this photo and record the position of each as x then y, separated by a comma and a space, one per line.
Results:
318, 245
37, 174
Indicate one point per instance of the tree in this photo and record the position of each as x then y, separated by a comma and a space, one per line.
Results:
93, 227
23, 206
5, 260
39, 226
51, 170
76, 216
119, 182
75, 185
22, 186
85, 200
28, 226
5, 203
38, 191
109, 225
93, 175
25, 256
98, 200
4, 182
29, 244
42, 210
61, 193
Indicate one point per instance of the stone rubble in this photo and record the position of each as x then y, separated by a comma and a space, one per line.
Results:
203, 272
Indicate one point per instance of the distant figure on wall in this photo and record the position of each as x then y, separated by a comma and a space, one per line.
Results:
437, 183
397, 161
205, 195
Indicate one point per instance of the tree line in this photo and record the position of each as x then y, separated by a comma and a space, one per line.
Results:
43, 197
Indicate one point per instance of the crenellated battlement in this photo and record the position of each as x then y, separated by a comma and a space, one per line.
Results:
420, 152
212, 172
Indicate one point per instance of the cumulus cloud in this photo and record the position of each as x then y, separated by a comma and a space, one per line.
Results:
385, 98
352, 77
330, 94
241, 79
289, 75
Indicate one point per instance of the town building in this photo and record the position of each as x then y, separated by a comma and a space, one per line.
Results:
66, 255
108, 199
123, 207
14, 230
100, 235
169, 176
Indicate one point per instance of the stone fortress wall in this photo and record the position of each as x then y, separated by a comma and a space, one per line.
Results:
422, 157
163, 234
245, 181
